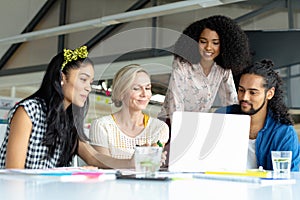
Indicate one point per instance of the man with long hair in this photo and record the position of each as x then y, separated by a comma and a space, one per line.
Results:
260, 95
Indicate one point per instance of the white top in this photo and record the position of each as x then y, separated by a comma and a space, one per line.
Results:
191, 90
104, 132
251, 162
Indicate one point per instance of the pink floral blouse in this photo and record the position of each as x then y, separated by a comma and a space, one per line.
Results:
191, 90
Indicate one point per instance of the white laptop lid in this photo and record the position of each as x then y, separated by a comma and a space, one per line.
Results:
208, 142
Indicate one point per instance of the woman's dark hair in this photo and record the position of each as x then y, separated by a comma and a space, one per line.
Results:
234, 47
64, 127
264, 68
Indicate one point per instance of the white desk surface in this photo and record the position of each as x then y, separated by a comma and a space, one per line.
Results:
52, 188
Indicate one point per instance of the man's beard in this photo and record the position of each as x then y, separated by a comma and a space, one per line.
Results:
252, 111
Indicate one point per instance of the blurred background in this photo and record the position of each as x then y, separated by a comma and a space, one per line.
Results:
121, 32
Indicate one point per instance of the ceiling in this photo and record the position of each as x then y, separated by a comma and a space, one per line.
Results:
11, 34
25, 10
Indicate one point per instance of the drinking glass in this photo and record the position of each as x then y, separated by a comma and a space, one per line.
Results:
281, 161
147, 160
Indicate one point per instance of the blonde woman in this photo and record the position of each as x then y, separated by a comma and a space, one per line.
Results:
118, 134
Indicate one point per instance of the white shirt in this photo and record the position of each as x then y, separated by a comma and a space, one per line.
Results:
191, 90
251, 161
104, 132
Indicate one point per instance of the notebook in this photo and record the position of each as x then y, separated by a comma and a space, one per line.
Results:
208, 142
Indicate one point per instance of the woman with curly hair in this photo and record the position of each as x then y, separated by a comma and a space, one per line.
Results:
260, 95
45, 130
205, 56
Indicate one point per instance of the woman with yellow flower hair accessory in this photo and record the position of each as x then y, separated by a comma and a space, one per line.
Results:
45, 130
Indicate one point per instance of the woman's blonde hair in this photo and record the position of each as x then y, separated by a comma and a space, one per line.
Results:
123, 80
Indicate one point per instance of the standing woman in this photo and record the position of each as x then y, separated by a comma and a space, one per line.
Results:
45, 130
205, 56
118, 134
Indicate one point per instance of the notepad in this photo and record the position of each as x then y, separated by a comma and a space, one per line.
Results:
66, 174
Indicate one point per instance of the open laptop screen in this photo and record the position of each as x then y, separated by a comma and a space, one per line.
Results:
208, 142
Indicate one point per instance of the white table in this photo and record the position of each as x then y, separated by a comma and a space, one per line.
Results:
51, 188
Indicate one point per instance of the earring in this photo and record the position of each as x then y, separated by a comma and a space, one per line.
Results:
61, 83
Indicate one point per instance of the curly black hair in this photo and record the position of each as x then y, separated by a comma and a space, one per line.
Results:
264, 68
234, 46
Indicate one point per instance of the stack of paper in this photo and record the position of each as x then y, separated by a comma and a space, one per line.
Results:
65, 174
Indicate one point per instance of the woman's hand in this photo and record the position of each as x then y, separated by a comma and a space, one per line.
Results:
164, 153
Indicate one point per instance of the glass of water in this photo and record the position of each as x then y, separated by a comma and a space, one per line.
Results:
147, 160
281, 161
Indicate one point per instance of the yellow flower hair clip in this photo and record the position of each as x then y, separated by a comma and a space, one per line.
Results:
70, 55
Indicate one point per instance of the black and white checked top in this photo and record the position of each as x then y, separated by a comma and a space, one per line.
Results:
36, 152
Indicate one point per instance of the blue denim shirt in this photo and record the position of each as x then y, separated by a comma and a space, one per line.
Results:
274, 136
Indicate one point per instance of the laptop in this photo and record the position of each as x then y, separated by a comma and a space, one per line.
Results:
208, 142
